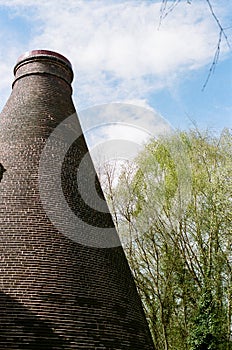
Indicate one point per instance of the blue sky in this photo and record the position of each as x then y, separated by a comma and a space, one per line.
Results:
119, 54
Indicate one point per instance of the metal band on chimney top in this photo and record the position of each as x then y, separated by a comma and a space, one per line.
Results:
43, 62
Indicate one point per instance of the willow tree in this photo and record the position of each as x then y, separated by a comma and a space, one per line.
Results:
173, 210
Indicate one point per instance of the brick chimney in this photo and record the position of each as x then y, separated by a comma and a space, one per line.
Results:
56, 292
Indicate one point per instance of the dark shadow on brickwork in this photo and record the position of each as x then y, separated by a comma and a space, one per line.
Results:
2, 170
77, 151
21, 329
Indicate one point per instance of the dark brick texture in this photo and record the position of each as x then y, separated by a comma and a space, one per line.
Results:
55, 293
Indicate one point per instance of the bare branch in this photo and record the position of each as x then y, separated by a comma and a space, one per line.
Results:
222, 30
218, 49
166, 9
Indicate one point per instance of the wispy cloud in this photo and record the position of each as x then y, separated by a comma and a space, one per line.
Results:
116, 48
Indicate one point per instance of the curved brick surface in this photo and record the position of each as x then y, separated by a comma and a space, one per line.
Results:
55, 293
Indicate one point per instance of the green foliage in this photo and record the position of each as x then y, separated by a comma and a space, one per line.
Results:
174, 210
207, 331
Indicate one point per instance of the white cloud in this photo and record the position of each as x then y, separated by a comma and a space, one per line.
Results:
121, 128
115, 47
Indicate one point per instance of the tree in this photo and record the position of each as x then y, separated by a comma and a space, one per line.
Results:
174, 211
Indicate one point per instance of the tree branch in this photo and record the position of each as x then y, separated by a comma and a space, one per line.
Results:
166, 9
218, 49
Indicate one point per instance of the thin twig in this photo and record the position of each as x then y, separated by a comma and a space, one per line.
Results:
165, 11
218, 49
222, 30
